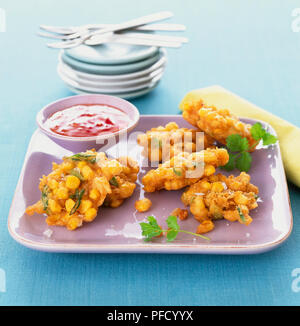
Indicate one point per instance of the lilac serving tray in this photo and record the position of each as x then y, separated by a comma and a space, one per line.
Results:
117, 229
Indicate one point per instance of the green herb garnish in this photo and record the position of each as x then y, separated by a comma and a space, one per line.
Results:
78, 196
75, 195
242, 216
152, 229
177, 172
76, 173
238, 146
114, 182
45, 201
83, 157
258, 133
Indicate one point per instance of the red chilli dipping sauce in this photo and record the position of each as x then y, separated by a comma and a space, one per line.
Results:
87, 120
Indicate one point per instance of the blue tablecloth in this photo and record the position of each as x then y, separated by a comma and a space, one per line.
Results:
248, 47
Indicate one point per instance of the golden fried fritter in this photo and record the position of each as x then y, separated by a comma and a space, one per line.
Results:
162, 143
74, 190
123, 184
143, 205
184, 169
218, 196
218, 123
182, 214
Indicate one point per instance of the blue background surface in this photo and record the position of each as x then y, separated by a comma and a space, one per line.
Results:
247, 47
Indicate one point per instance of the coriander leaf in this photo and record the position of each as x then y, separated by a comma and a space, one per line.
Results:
78, 202
269, 139
171, 235
172, 222
236, 143
243, 162
177, 172
44, 198
83, 157
152, 221
257, 131
76, 173
114, 182
230, 164
146, 228
75, 195
244, 144
151, 229
149, 235
242, 216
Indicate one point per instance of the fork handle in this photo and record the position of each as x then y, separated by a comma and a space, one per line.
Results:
151, 27
144, 36
116, 38
133, 23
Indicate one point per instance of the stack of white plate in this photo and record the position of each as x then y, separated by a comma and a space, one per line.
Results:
121, 70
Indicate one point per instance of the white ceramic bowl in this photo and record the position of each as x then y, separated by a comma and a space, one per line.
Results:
78, 144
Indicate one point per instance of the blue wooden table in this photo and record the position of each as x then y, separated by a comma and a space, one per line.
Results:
247, 47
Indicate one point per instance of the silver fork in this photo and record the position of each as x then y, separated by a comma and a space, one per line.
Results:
131, 39
118, 27
99, 39
74, 32
146, 28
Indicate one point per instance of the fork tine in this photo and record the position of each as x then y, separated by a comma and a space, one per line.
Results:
58, 29
60, 37
64, 44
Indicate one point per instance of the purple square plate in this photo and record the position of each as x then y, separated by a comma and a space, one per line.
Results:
117, 230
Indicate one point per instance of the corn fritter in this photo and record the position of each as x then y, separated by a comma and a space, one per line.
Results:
217, 123
184, 169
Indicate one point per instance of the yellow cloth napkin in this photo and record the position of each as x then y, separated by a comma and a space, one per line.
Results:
288, 134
